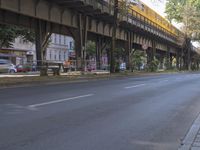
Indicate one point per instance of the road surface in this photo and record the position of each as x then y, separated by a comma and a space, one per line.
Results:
143, 113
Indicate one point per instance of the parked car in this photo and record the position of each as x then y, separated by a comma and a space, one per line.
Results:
23, 68
7, 67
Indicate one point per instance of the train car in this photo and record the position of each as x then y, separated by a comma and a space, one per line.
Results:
143, 12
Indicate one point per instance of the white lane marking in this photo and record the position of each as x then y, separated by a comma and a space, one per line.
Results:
162, 81
59, 101
134, 86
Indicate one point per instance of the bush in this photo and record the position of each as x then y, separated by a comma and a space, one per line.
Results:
153, 66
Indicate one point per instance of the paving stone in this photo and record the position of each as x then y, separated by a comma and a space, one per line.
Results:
195, 148
196, 144
197, 139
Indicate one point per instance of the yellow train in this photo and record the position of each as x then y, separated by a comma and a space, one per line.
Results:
147, 14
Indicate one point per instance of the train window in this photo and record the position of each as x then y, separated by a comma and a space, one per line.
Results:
142, 7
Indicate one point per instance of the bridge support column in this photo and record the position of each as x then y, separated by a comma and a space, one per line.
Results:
151, 53
98, 52
178, 60
42, 36
171, 61
102, 45
161, 61
181, 59
168, 58
197, 64
189, 58
128, 48
81, 42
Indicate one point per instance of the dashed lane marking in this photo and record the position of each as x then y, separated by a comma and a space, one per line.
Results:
134, 86
59, 101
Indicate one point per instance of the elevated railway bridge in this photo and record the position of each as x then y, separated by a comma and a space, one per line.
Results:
92, 20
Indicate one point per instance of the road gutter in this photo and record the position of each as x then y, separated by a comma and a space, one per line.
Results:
187, 143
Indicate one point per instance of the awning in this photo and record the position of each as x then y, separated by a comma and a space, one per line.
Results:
9, 55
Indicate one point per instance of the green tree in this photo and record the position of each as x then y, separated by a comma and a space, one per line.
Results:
137, 59
120, 9
8, 34
186, 12
91, 49
26, 34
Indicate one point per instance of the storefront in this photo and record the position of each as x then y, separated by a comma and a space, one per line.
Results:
15, 56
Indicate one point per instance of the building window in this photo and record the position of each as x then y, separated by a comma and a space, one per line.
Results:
50, 55
142, 7
64, 55
71, 45
55, 55
54, 38
59, 39
64, 40
59, 55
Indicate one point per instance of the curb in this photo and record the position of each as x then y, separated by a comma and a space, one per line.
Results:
189, 140
79, 79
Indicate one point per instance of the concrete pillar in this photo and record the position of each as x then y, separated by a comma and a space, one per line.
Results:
38, 43
81, 41
168, 58
78, 49
97, 53
178, 60
153, 50
128, 48
171, 61
99, 49
197, 64
148, 51
161, 60
181, 59
41, 38
189, 58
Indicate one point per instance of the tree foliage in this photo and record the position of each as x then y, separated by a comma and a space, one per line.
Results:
186, 12
91, 49
8, 34
137, 60
121, 8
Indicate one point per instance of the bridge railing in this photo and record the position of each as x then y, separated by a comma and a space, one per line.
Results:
142, 22
133, 18
105, 6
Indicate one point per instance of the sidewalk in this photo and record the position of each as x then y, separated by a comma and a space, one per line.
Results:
192, 139
35, 79
21, 80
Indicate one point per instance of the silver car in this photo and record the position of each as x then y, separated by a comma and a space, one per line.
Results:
7, 67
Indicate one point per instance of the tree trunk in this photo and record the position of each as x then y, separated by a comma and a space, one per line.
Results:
115, 24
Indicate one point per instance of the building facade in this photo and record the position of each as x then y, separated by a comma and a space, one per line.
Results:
60, 48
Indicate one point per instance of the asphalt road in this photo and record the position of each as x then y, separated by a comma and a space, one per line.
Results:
143, 113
